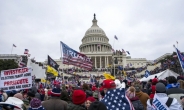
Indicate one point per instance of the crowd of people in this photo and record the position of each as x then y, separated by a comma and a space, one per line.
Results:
166, 94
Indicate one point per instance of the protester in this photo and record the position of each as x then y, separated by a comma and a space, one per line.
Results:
78, 99
41, 91
12, 103
108, 85
35, 92
65, 96
173, 89
55, 103
151, 90
4, 95
130, 93
161, 101
97, 106
35, 104
26, 103
143, 97
88, 102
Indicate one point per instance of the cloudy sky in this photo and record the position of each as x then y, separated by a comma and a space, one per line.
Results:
145, 28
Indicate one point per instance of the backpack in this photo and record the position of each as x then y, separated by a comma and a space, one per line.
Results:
168, 103
137, 105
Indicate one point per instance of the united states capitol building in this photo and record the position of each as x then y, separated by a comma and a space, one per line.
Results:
95, 44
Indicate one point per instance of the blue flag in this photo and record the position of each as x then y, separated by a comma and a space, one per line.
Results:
116, 37
120, 67
181, 58
147, 73
128, 52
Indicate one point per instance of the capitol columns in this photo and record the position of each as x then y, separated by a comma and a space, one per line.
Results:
95, 62
100, 62
105, 61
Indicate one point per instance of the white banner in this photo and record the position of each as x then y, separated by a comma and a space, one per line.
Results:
16, 79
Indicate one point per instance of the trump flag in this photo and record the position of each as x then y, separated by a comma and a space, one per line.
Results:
72, 57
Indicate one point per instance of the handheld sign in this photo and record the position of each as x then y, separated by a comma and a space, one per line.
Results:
16, 79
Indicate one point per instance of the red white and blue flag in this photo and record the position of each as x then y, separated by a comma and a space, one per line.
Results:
116, 99
180, 57
26, 51
72, 57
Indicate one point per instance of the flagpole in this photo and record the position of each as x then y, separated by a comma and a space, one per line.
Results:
12, 49
178, 58
62, 60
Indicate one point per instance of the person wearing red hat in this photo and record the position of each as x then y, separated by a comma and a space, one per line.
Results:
88, 102
152, 89
108, 84
78, 99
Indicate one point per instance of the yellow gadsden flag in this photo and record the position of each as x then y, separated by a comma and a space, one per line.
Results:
52, 70
108, 76
43, 80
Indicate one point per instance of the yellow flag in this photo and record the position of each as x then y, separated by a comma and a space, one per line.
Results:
124, 73
43, 80
108, 76
52, 71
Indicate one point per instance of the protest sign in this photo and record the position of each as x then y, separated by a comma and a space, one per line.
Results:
16, 79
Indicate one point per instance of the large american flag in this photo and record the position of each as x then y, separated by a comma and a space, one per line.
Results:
116, 99
72, 57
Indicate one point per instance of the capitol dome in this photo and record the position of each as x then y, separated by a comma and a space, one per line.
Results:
95, 39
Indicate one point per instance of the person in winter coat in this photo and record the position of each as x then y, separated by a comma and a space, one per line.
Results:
55, 103
78, 99
34, 90
173, 89
65, 96
88, 102
97, 106
35, 104
151, 90
143, 97
161, 101
130, 93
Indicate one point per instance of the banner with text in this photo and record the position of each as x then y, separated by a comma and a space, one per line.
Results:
72, 57
16, 79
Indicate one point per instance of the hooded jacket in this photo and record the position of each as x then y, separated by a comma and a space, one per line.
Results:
34, 90
175, 93
72, 106
162, 97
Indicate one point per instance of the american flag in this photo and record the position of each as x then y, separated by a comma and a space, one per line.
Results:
26, 51
72, 57
21, 62
14, 45
116, 99
98, 45
116, 37
181, 58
